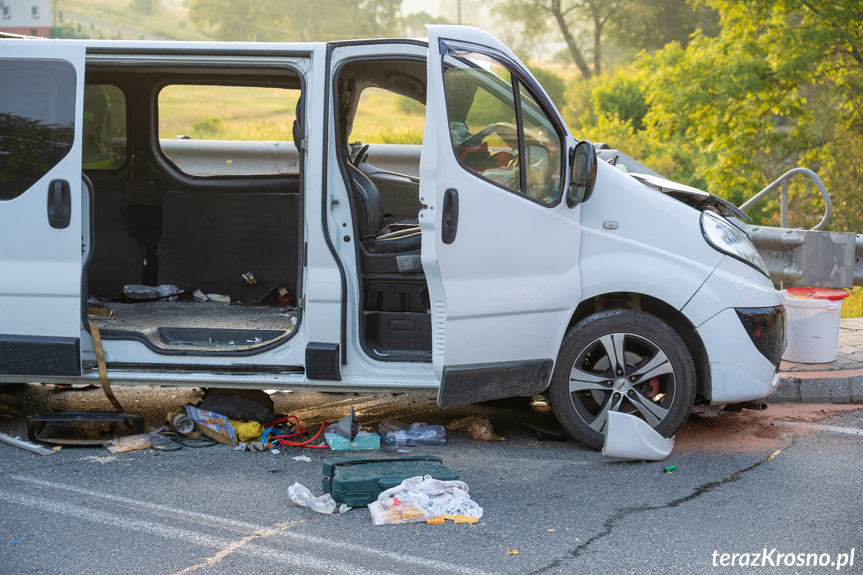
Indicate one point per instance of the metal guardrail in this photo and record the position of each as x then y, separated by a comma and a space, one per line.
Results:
811, 258
783, 182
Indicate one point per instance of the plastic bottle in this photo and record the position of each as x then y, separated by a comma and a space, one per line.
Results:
180, 421
418, 434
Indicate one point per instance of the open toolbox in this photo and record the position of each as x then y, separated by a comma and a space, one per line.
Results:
358, 482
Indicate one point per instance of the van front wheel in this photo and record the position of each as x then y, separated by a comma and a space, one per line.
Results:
622, 360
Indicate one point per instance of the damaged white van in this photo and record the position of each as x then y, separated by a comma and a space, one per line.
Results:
490, 256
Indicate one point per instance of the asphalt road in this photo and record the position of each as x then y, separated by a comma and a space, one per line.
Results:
783, 481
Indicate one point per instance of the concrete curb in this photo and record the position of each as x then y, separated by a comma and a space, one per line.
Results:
828, 386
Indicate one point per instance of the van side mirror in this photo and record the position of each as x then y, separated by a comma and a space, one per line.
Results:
583, 176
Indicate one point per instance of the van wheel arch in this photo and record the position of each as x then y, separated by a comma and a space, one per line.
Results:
657, 308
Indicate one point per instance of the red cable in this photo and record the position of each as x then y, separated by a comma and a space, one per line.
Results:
283, 439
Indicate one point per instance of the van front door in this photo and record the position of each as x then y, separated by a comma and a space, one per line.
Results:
499, 246
40, 207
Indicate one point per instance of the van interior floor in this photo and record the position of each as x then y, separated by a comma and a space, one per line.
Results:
197, 326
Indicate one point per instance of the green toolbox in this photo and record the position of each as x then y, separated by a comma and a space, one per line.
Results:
358, 482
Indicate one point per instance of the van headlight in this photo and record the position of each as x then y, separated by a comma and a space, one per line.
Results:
731, 240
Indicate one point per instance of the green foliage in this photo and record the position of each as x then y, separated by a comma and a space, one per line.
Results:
207, 127
651, 24
410, 106
297, 20
397, 136
69, 31
780, 86
553, 84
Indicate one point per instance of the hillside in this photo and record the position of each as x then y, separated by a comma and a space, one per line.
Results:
126, 20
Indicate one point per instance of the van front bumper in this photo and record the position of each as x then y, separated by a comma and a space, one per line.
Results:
744, 353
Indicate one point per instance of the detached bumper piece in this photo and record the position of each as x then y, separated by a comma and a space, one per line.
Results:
36, 424
766, 328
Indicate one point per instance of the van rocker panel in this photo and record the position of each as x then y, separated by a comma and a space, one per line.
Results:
471, 383
34, 355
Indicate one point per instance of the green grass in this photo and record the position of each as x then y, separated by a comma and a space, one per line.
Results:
853, 306
227, 112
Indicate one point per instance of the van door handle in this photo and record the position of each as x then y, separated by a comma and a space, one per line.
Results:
449, 217
59, 204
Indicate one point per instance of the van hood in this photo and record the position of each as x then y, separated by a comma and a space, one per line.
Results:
698, 199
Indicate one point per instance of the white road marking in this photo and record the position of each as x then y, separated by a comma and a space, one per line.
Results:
833, 428
175, 533
252, 527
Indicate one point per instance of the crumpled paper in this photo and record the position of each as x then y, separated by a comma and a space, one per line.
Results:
479, 427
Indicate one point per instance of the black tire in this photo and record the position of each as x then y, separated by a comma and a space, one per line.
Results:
656, 381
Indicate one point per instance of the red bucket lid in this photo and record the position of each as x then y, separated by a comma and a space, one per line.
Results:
818, 293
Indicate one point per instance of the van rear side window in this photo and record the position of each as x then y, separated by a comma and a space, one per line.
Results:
37, 121
213, 130
104, 127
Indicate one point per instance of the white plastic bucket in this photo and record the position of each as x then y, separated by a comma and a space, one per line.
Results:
812, 331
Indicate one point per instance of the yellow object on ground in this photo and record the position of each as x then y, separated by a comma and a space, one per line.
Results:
247, 430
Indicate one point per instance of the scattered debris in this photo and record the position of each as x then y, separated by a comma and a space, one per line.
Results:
348, 426
100, 312
25, 445
287, 431
457, 519
101, 460
213, 425
148, 293
480, 428
300, 495
36, 425
128, 443
247, 404
179, 420
670, 468
421, 498
250, 278
416, 435
544, 433
391, 425
512, 551
254, 447
279, 295
358, 482
302, 458
363, 441
199, 295
219, 298
628, 437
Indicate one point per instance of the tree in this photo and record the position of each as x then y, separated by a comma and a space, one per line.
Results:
297, 20
780, 86
651, 24
569, 17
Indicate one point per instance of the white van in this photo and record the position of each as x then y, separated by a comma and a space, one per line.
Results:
496, 258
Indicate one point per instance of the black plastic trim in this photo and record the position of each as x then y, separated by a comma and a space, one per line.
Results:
216, 51
322, 361
32, 355
462, 384
234, 369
